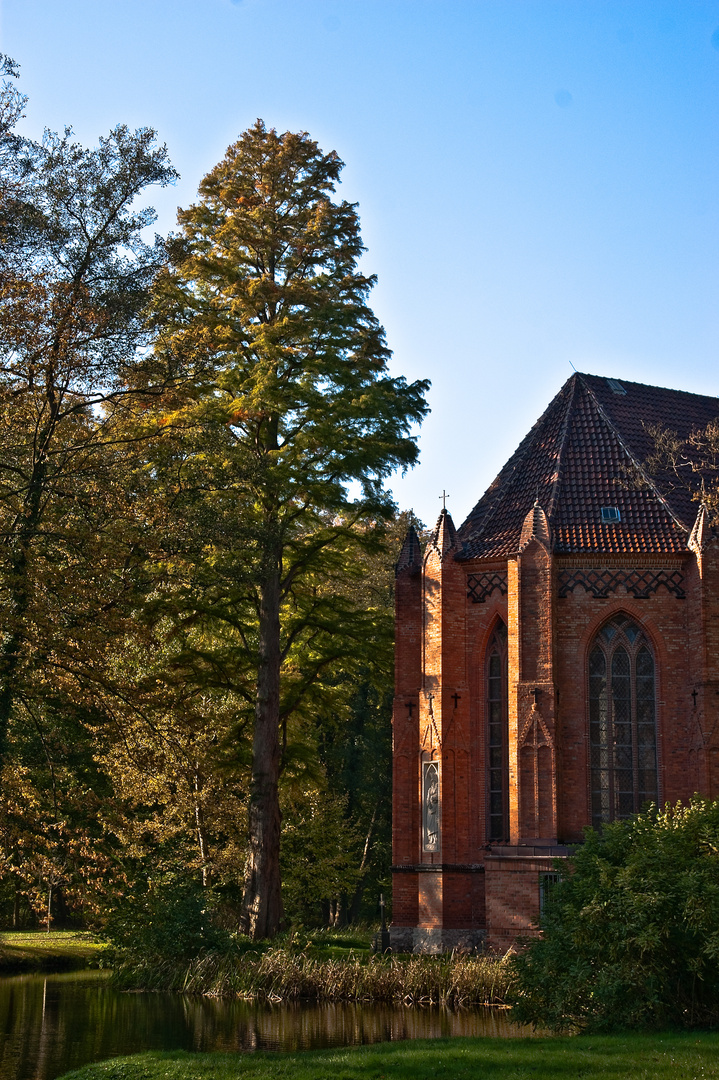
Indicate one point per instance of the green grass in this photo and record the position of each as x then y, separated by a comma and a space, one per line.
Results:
328, 944
60, 950
630, 1057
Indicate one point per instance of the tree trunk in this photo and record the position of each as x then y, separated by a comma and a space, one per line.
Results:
263, 897
357, 898
201, 831
19, 591
10, 649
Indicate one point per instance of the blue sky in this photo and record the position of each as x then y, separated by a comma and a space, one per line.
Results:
537, 180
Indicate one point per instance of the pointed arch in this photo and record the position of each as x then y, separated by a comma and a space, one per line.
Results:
622, 720
497, 748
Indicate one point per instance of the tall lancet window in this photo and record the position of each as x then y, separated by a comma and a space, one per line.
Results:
622, 721
497, 754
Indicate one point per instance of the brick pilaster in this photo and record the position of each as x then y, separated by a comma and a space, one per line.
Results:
533, 754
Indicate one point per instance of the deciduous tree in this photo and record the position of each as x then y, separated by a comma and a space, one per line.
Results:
74, 277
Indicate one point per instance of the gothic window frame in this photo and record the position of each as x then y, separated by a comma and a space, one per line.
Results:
623, 674
496, 706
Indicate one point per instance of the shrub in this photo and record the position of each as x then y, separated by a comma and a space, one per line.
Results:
630, 934
170, 921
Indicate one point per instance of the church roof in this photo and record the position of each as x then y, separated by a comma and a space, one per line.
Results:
584, 460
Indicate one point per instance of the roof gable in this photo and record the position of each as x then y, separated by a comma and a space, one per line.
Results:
585, 453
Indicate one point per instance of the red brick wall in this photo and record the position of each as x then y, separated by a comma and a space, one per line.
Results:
706, 667
548, 644
512, 897
665, 620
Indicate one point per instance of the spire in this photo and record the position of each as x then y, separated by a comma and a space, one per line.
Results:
444, 537
700, 531
410, 557
535, 527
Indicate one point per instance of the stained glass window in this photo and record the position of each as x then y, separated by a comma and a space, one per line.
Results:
497, 762
622, 721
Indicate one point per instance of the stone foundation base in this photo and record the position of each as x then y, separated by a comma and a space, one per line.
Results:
434, 941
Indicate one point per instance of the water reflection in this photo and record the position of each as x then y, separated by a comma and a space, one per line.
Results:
50, 1024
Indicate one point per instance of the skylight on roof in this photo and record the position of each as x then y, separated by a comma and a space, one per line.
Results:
615, 386
610, 514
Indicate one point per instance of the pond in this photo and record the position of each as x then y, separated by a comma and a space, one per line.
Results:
52, 1023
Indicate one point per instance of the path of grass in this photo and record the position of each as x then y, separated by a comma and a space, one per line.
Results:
631, 1057
60, 950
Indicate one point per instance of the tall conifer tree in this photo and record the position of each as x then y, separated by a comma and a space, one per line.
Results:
287, 438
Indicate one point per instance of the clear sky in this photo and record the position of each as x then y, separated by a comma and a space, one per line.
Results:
537, 179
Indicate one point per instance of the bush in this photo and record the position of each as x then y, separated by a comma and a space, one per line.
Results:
630, 934
170, 921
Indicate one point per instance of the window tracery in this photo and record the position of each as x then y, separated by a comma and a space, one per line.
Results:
622, 721
497, 750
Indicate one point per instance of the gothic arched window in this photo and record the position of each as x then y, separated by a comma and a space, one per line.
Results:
622, 721
497, 760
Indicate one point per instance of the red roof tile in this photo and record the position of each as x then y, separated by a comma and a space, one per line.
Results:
587, 452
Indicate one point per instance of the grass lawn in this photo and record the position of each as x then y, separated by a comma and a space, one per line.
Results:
649, 1057
325, 944
60, 950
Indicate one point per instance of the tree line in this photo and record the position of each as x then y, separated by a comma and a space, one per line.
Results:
196, 539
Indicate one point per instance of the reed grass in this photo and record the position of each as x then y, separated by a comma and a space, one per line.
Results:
283, 975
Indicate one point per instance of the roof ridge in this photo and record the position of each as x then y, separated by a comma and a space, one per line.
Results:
632, 456
556, 483
647, 386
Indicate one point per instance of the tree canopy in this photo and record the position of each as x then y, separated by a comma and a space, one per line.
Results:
282, 444
195, 534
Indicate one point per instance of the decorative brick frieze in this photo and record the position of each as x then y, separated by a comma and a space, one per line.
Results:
439, 868
481, 586
640, 584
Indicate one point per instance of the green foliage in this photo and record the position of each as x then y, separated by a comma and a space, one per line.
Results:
171, 921
320, 854
195, 537
630, 936
75, 271
287, 401
270, 482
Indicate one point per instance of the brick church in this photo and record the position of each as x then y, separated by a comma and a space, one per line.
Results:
557, 663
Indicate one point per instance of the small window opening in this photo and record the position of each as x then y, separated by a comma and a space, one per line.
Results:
610, 513
546, 884
615, 386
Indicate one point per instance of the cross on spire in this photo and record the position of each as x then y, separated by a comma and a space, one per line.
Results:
444, 496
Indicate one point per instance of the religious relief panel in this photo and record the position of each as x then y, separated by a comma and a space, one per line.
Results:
430, 806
